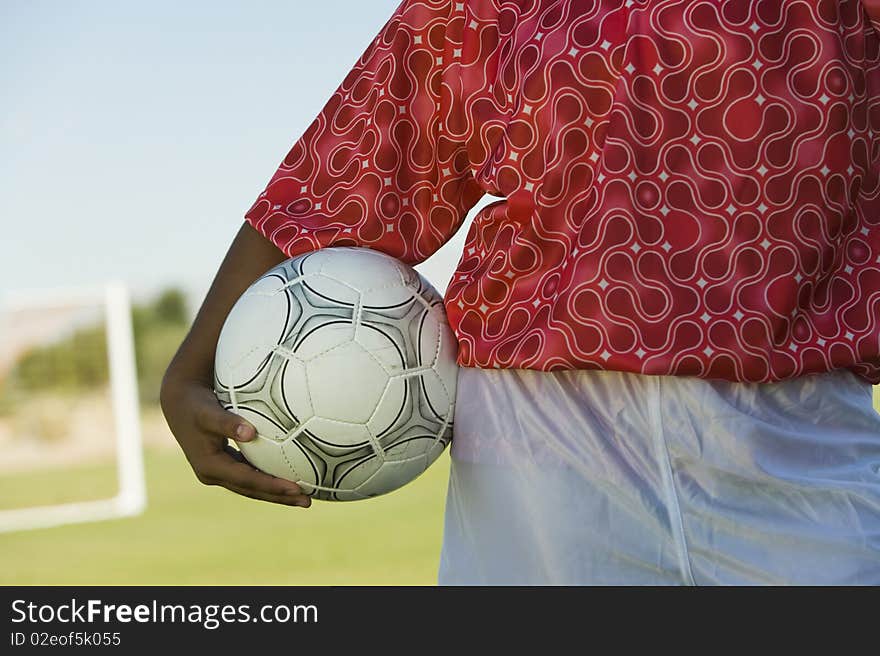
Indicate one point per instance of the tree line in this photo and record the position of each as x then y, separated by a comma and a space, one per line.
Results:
79, 361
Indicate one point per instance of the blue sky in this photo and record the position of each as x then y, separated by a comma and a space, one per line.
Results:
133, 136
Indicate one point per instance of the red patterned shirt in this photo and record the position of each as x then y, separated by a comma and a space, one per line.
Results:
685, 187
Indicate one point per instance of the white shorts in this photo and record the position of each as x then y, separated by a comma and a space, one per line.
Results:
589, 477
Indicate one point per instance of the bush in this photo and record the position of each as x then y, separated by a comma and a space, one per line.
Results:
79, 362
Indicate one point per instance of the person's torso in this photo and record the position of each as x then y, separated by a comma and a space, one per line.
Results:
688, 187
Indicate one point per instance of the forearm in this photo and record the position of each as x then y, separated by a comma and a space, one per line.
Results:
249, 256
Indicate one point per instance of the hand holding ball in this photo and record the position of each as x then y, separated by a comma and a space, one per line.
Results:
345, 363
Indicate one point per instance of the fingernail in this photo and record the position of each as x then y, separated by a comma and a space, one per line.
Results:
245, 432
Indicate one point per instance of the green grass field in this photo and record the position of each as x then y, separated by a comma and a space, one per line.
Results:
191, 534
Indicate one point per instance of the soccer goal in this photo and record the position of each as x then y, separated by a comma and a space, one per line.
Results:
70, 434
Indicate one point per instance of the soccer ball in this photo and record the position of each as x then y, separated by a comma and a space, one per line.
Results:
344, 361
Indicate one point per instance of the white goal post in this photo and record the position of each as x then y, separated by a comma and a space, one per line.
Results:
131, 496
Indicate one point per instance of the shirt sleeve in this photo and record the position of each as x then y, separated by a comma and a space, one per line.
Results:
384, 165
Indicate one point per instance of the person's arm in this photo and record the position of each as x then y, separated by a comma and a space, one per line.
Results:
198, 421
384, 165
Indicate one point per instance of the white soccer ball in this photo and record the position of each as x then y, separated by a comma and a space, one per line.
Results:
344, 361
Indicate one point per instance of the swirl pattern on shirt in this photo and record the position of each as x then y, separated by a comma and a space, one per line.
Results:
686, 187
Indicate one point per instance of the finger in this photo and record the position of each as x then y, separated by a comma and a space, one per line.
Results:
227, 470
212, 417
235, 454
283, 499
298, 500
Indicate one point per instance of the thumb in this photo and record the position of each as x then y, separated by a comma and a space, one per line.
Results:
214, 418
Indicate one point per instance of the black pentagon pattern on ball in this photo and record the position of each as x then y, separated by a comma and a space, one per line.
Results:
253, 393
293, 311
329, 321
